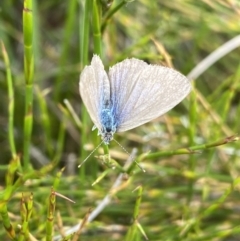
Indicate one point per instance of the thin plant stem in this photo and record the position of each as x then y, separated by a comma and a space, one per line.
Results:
133, 232
85, 26
68, 31
96, 28
192, 134
106, 150
6, 222
60, 141
10, 102
190, 150
28, 72
45, 120
26, 208
111, 12
84, 48
6, 194
50, 219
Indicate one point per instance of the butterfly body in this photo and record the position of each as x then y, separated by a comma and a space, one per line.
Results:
108, 124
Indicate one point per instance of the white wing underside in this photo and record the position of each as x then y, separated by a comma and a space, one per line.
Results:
139, 92
142, 92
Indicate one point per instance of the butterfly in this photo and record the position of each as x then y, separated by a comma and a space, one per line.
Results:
130, 94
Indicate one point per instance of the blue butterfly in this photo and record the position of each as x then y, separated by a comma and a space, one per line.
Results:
130, 94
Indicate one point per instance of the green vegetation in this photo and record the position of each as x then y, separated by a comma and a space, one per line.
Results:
190, 190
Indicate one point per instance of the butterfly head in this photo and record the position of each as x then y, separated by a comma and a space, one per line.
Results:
107, 137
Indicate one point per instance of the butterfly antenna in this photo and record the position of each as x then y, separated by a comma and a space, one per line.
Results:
130, 155
90, 155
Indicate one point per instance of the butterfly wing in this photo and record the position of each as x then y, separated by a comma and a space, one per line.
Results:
142, 92
94, 89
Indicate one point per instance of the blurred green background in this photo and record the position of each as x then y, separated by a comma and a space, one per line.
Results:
190, 190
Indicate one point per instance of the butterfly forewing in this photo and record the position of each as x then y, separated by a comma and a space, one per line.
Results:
94, 89
142, 92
